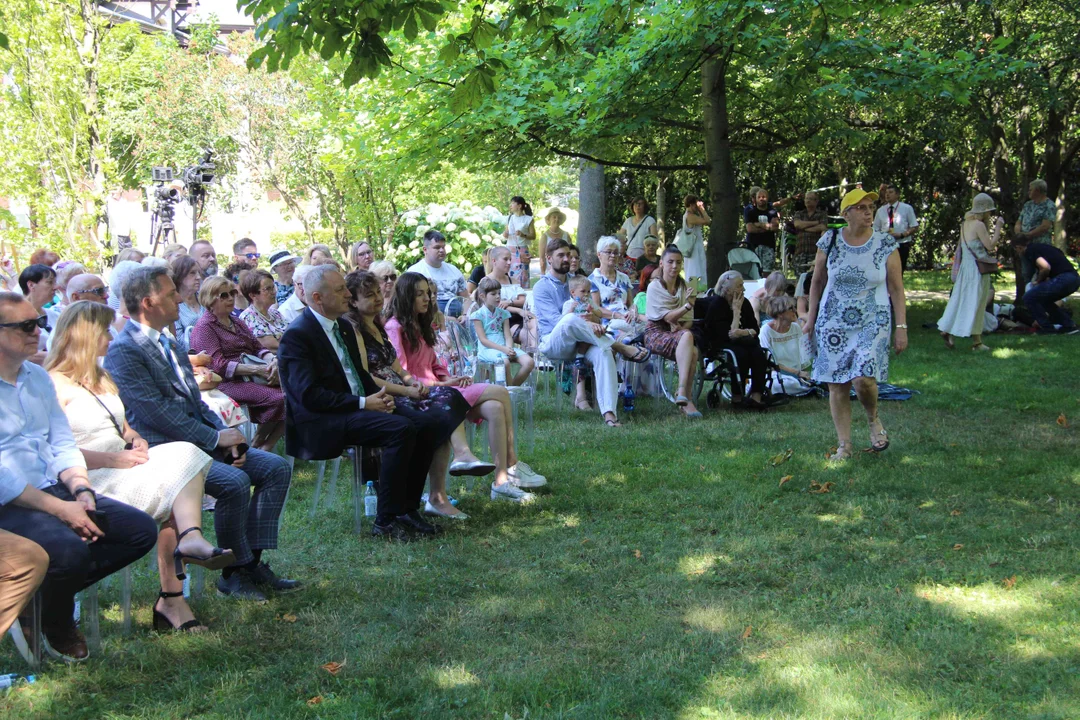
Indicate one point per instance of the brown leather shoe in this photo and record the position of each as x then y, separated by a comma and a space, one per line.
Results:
65, 643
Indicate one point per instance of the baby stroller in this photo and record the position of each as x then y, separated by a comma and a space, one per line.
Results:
746, 262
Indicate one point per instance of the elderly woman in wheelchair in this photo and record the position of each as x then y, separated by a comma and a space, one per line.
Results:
731, 328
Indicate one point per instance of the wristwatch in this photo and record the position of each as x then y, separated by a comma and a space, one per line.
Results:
85, 489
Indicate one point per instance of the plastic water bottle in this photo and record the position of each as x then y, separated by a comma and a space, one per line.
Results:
11, 679
371, 500
500, 374
628, 396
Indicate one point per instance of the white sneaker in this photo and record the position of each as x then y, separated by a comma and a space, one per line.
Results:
524, 476
509, 491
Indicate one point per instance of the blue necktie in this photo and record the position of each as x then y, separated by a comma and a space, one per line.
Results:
167, 344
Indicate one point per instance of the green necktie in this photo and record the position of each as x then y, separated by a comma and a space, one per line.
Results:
348, 358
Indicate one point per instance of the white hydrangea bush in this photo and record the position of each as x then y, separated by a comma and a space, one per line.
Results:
468, 229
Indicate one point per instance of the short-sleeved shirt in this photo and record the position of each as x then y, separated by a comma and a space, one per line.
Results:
753, 214
1059, 264
806, 240
492, 322
478, 273
1032, 216
899, 217
614, 296
449, 281
274, 326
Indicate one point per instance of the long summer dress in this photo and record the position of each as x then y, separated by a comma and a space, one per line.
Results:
851, 333
694, 263
151, 487
519, 247
964, 314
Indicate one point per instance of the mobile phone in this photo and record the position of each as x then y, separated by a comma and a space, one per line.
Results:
101, 520
240, 450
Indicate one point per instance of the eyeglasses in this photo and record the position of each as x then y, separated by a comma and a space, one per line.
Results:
228, 294
100, 292
611, 253
27, 326
252, 256
862, 208
389, 278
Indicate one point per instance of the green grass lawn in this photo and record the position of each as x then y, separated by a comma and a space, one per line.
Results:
667, 574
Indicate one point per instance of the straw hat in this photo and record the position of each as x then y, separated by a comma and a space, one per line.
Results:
558, 213
982, 203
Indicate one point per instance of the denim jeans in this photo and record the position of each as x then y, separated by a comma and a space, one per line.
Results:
1041, 300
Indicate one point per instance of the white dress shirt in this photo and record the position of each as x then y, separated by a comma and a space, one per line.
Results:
328, 326
155, 336
903, 219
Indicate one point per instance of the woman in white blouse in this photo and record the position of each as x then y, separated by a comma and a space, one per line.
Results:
637, 227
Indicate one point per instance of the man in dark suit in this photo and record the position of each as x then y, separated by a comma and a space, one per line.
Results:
163, 404
332, 402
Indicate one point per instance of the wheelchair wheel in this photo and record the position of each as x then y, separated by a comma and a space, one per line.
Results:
712, 398
669, 380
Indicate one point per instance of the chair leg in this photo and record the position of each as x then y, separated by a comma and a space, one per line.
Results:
318, 488
335, 467
90, 618
358, 490
125, 597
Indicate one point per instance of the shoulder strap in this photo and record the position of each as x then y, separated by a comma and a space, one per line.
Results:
638, 229
108, 412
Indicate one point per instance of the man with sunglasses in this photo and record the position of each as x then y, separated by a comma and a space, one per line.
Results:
246, 253
90, 288
45, 493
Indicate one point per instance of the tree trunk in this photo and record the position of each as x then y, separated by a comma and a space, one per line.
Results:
661, 206
724, 204
591, 193
1052, 171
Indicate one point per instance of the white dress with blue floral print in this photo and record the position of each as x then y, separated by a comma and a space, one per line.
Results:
854, 318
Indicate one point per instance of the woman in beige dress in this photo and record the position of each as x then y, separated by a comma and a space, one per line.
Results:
165, 481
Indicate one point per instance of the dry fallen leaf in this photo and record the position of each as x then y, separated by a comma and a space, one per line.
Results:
832, 451
585, 540
781, 458
747, 631
312, 702
958, 546
637, 554
1009, 582
785, 479
1062, 420
956, 513
898, 590
819, 489
288, 617
333, 667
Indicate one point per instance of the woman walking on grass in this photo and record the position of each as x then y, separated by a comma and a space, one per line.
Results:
857, 276
964, 315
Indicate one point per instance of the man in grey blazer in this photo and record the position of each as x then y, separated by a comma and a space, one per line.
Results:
163, 404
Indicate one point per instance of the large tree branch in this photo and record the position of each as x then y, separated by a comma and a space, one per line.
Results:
609, 163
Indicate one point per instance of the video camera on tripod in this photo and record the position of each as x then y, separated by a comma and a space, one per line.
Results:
195, 178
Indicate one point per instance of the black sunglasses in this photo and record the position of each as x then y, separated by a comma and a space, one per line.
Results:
27, 326
390, 278
100, 292
228, 294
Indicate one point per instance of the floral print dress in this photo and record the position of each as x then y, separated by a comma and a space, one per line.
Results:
851, 333
381, 356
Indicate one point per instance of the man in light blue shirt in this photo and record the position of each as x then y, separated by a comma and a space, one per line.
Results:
45, 494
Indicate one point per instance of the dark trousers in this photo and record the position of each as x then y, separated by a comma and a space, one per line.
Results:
408, 438
246, 520
74, 564
905, 250
1041, 300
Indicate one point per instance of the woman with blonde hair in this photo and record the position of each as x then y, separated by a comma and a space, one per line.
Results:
165, 481
361, 255
965, 313
318, 254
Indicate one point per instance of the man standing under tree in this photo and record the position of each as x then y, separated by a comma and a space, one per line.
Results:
898, 219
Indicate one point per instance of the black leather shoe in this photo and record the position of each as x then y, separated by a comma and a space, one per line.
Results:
239, 586
414, 523
390, 531
263, 577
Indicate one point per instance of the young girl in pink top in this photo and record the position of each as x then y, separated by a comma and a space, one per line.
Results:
409, 329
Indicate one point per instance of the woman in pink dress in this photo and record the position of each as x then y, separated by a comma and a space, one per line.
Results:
409, 329
232, 349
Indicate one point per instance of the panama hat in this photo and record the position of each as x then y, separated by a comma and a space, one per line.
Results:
279, 256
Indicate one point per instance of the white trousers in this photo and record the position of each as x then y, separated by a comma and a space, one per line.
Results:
561, 344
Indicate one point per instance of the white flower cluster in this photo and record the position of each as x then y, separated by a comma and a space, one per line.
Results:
465, 225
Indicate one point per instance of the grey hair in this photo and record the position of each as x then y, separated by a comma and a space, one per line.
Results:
301, 272
808, 193
725, 281
1039, 185
151, 261
9, 299
117, 278
608, 241
380, 266
140, 284
315, 281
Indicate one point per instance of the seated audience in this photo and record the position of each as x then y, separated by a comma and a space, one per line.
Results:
730, 325
361, 255
575, 262
650, 256
117, 278
784, 338
333, 402
166, 481
295, 304
42, 256
563, 337
162, 403
261, 317
409, 328
246, 253
381, 361
776, 285
385, 272
669, 310
319, 254
38, 283
492, 325
232, 274
283, 264
482, 270
802, 294
512, 299
448, 280
188, 278
45, 494
1055, 279
205, 256
65, 271
613, 291
239, 359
